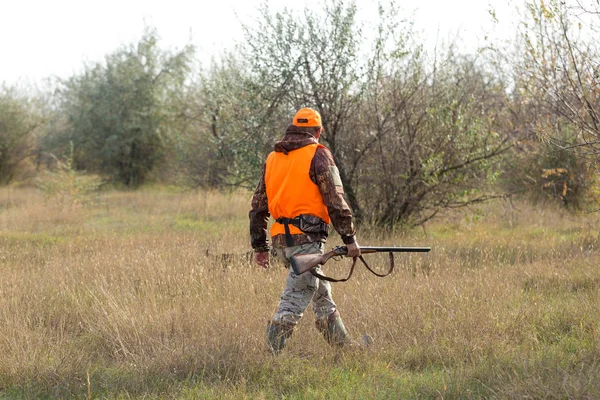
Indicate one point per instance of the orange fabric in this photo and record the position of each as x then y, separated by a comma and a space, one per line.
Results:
307, 117
290, 192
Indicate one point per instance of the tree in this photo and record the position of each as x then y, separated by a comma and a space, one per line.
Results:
120, 112
561, 69
227, 129
435, 138
556, 97
18, 119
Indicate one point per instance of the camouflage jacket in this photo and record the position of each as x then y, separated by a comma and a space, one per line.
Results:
324, 173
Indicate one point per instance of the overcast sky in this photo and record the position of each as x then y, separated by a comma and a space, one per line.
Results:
43, 38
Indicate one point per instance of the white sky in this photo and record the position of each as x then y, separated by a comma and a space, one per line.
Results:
43, 38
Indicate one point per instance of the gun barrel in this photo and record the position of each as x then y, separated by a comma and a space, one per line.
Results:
371, 249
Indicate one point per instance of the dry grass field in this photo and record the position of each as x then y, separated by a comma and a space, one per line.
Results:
149, 295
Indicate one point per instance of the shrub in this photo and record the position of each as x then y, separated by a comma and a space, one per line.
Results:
64, 187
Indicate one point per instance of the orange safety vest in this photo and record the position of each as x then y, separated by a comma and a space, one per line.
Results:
290, 191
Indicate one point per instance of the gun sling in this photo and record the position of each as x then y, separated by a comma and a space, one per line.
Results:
328, 279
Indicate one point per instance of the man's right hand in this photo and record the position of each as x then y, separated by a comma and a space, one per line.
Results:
353, 250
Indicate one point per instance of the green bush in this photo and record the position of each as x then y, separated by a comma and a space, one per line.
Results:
17, 122
64, 187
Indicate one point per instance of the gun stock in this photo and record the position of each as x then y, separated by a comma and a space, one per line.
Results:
305, 262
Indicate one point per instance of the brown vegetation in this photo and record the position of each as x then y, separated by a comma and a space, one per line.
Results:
121, 299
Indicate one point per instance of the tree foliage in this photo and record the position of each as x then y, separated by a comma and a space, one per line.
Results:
18, 119
228, 128
561, 70
119, 112
555, 103
413, 132
434, 140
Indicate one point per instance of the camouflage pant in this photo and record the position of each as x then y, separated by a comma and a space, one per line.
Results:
300, 290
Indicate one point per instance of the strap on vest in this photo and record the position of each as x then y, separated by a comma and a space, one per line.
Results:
286, 225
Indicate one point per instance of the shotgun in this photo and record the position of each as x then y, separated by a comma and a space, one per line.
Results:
305, 262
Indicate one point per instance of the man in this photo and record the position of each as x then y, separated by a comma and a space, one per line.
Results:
301, 188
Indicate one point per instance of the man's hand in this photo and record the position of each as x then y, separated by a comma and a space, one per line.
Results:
262, 259
353, 250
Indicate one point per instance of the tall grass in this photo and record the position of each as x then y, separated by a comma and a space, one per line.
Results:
132, 297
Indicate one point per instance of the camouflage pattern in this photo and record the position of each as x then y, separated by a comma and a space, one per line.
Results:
324, 173
300, 290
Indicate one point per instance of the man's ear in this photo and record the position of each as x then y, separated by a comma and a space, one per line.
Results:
318, 133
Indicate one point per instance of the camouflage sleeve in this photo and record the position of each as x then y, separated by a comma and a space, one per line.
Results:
259, 216
325, 174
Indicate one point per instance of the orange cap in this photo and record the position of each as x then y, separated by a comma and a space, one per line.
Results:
307, 117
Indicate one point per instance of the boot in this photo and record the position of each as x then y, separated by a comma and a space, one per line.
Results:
277, 335
333, 329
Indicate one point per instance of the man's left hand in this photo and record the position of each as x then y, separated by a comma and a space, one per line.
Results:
262, 259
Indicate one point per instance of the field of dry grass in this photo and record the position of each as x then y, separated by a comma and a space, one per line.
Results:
149, 295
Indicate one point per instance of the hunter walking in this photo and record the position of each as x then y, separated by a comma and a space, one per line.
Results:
301, 189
